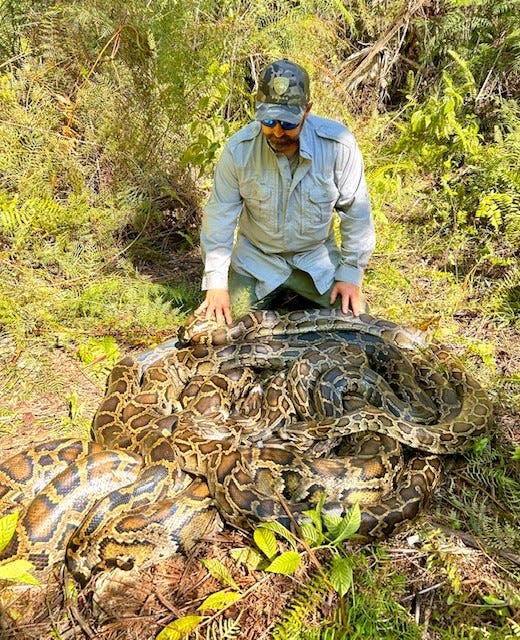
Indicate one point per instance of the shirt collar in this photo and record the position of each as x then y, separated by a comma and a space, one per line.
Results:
306, 138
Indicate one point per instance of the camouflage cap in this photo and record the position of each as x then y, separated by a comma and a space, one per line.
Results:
283, 92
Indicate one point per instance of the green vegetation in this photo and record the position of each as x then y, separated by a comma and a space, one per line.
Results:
111, 118
17, 570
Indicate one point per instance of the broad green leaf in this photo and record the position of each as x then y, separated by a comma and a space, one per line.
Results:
315, 518
265, 540
341, 575
7, 529
316, 514
248, 556
331, 522
494, 601
310, 534
349, 525
27, 578
278, 528
179, 628
219, 600
220, 572
15, 568
18, 571
286, 563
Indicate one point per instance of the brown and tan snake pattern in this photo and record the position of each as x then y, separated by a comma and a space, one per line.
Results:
237, 424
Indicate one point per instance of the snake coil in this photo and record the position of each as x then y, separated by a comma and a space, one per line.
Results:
235, 424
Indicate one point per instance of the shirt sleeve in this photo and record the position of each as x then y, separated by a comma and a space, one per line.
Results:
356, 223
219, 222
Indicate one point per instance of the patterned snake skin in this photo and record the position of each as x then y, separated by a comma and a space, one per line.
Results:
235, 424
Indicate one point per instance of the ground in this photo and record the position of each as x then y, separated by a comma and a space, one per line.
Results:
48, 393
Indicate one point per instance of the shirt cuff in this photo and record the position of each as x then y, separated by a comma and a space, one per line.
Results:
214, 280
349, 273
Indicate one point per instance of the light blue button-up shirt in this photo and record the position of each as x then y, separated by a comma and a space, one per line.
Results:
265, 222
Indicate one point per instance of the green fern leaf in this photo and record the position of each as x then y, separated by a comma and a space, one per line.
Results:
293, 619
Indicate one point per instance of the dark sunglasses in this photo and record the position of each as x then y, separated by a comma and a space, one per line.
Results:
286, 126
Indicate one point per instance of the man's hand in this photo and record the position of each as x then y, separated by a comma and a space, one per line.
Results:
350, 297
216, 305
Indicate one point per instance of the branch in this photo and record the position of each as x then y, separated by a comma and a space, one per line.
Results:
383, 41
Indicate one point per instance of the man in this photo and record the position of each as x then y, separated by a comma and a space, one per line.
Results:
268, 222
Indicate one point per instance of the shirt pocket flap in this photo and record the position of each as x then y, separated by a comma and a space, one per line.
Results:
253, 190
323, 193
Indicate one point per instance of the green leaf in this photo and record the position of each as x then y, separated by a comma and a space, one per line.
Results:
316, 514
341, 575
248, 556
265, 540
278, 528
286, 563
18, 571
310, 534
220, 600
332, 521
349, 525
220, 572
7, 529
494, 601
179, 628
316, 519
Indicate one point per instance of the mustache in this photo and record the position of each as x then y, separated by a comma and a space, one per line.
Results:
272, 139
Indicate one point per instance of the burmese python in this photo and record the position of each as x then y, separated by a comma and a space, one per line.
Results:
243, 423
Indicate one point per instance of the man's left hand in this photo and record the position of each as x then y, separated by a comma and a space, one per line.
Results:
350, 297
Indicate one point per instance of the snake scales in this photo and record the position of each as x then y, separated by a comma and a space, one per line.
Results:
237, 424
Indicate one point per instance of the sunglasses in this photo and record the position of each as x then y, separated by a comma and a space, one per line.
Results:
286, 126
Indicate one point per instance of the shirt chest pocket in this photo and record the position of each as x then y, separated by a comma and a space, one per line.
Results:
321, 199
258, 201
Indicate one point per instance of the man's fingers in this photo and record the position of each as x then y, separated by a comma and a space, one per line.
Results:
201, 308
227, 315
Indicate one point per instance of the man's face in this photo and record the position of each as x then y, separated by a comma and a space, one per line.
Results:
284, 140
280, 139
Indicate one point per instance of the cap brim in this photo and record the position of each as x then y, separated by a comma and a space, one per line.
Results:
268, 111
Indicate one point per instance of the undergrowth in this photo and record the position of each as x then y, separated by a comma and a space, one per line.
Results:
108, 142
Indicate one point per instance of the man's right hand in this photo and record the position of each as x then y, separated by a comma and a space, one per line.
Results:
217, 305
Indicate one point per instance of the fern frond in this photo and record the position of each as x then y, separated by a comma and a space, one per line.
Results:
223, 629
491, 499
295, 617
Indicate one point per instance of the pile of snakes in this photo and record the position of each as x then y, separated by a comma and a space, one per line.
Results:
235, 425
